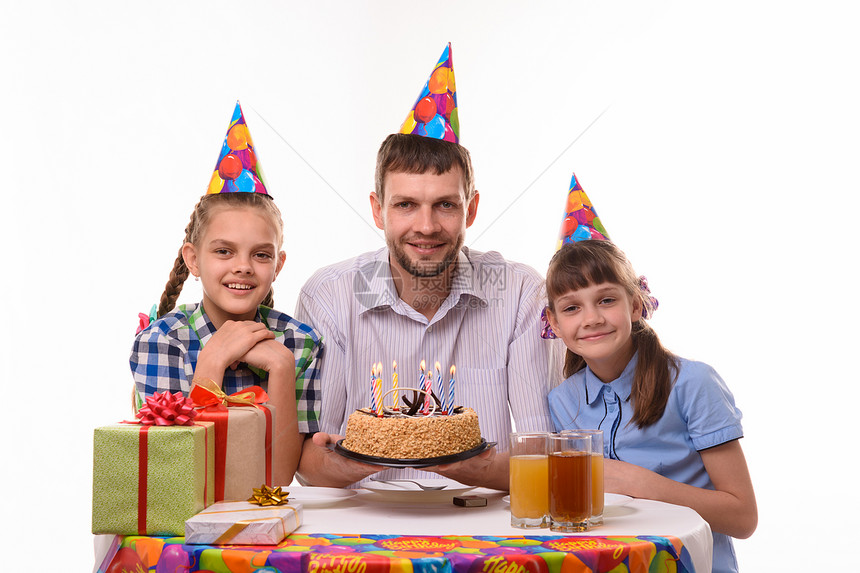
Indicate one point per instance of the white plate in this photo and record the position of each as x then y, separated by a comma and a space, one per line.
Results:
409, 492
615, 499
507, 499
318, 496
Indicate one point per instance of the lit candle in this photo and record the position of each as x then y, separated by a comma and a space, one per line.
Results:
422, 382
372, 385
439, 389
379, 389
451, 391
394, 383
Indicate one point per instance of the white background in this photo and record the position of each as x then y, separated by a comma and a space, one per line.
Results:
724, 163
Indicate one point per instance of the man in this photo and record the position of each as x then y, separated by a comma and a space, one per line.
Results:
426, 296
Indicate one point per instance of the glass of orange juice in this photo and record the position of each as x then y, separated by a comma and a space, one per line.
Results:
596, 475
529, 483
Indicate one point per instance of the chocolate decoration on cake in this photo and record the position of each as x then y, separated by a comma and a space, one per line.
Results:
410, 434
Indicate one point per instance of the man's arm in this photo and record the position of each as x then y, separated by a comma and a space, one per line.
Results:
487, 469
529, 380
322, 466
319, 464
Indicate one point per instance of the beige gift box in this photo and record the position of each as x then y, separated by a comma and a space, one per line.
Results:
243, 523
243, 448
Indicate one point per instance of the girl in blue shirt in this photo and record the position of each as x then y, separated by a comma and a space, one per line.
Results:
670, 425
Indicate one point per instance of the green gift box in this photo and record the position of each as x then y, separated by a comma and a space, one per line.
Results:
147, 480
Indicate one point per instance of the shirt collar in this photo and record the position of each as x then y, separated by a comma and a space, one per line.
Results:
199, 322
622, 386
381, 291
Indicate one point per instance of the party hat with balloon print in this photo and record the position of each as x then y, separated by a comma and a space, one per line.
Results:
435, 114
580, 219
237, 169
579, 224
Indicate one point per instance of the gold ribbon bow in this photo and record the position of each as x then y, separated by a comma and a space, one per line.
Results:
265, 496
215, 395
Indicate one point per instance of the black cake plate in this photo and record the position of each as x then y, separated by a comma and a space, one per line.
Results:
413, 463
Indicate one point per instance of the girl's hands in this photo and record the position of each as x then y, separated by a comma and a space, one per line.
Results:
232, 341
228, 346
271, 356
729, 508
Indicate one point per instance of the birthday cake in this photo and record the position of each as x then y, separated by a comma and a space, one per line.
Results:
401, 435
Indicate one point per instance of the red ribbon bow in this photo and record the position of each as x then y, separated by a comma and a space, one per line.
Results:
207, 395
166, 409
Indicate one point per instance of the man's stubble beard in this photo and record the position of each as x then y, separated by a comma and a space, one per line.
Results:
420, 269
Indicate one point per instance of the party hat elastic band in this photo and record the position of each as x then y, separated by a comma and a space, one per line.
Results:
434, 114
237, 169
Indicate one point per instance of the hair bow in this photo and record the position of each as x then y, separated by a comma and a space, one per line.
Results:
146, 320
545, 329
651, 303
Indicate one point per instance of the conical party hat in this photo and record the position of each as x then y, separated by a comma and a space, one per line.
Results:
579, 224
434, 114
237, 169
580, 219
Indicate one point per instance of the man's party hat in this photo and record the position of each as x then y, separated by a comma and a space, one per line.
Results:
237, 170
434, 114
580, 219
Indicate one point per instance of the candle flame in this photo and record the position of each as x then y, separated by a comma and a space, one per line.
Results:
422, 367
394, 365
453, 368
438, 366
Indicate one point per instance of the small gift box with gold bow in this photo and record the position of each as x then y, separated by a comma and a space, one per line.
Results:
149, 476
265, 519
244, 426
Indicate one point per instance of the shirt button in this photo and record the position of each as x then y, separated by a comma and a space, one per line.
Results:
429, 329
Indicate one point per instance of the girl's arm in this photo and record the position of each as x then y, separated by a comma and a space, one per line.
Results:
276, 359
730, 508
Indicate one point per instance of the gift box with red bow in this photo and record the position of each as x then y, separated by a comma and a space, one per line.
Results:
151, 475
244, 426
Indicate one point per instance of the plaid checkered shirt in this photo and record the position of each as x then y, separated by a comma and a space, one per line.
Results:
164, 357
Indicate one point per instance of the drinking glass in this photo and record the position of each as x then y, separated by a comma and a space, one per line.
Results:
569, 481
597, 488
529, 480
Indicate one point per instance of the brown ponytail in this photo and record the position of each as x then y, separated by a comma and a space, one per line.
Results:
200, 218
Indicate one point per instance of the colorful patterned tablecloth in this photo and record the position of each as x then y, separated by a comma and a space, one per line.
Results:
327, 553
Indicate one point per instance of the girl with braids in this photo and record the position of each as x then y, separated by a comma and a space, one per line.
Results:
233, 337
670, 425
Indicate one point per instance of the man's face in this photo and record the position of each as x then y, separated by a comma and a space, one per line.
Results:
424, 217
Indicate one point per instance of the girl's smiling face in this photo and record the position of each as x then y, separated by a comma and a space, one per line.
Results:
596, 322
237, 260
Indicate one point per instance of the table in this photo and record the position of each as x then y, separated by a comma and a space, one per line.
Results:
440, 536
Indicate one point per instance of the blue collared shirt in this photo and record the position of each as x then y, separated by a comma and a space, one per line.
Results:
700, 414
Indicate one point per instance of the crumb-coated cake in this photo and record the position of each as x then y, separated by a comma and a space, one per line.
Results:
412, 437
